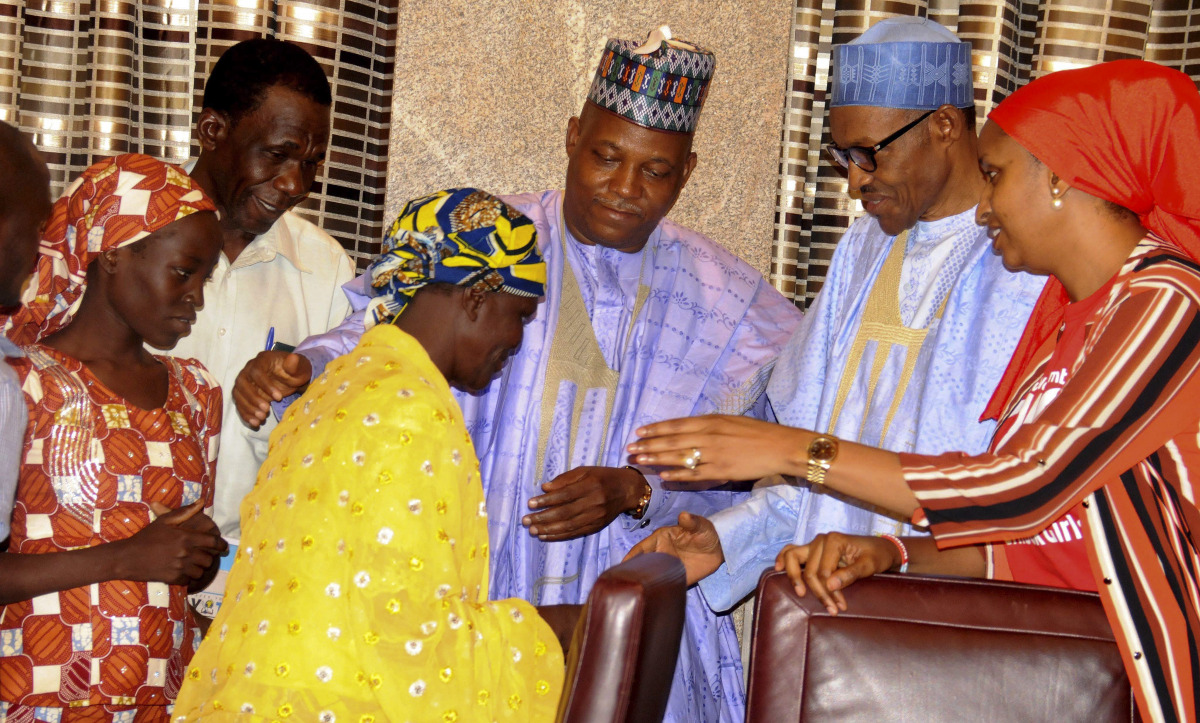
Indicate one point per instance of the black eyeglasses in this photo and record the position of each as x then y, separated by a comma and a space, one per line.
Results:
864, 156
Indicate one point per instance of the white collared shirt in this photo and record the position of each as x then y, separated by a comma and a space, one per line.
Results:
289, 278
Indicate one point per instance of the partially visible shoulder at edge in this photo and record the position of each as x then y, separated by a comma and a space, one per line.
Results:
533, 206
1154, 259
389, 354
18, 366
311, 238
862, 237
727, 260
526, 202
861, 246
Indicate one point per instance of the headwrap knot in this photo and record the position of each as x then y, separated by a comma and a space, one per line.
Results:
460, 236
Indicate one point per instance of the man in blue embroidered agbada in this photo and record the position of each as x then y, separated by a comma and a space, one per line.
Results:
917, 318
643, 320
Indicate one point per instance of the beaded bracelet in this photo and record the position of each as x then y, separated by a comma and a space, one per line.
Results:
899, 544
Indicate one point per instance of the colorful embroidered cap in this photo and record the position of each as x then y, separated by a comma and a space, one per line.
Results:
460, 236
659, 84
910, 63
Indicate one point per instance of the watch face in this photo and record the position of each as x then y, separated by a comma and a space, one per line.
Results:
822, 449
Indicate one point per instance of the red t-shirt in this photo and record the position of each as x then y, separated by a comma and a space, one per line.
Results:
1057, 555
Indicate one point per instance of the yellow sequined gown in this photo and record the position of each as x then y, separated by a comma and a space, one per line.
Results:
359, 593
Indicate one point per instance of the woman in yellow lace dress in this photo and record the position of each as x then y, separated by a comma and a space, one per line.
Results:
360, 590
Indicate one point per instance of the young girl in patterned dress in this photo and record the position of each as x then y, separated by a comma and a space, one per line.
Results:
108, 529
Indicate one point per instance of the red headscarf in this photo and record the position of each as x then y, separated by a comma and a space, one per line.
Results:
1127, 132
114, 202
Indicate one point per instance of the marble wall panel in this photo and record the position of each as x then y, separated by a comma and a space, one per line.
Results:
483, 92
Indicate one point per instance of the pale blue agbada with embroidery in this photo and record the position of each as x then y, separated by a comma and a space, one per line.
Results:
683, 327
974, 311
708, 331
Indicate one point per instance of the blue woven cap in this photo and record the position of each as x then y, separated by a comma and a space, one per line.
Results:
660, 84
910, 63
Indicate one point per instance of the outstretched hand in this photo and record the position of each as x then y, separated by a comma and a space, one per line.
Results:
582, 501
729, 448
694, 541
176, 548
268, 377
832, 562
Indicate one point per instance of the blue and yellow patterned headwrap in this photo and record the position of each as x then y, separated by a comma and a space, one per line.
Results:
460, 236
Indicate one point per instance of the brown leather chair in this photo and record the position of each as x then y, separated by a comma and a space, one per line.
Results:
622, 656
913, 648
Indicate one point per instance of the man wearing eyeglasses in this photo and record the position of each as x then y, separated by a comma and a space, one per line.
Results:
916, 320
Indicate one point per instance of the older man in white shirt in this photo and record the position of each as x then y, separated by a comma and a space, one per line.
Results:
263, 131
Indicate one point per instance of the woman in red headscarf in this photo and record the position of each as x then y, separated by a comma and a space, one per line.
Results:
1092, 179
94, 622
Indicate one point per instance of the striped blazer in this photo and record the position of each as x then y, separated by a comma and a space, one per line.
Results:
1123, 439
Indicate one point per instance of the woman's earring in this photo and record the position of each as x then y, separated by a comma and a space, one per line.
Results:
1057, 202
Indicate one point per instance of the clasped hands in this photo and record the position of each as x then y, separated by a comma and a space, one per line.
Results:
827, 565
178, 547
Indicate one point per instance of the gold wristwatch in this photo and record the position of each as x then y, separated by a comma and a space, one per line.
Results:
821, 453
639, 512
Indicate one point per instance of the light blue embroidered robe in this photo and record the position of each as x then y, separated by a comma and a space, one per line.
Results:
705, 340
958, 366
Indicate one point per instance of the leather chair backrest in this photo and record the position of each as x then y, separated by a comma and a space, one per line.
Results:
913, 648
626, 644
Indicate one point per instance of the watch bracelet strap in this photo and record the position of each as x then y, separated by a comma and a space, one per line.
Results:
816, 472
643, 504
